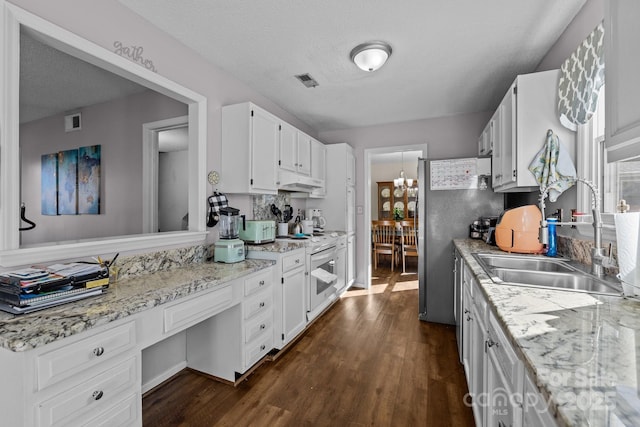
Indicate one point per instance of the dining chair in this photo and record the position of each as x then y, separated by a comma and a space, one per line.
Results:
383, 234
408, 241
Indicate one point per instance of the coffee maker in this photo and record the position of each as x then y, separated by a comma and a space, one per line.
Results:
319, 222
229, 248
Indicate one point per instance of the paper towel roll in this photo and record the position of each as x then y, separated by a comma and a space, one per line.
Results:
628, 236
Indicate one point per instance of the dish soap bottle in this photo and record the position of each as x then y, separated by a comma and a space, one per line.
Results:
552, 247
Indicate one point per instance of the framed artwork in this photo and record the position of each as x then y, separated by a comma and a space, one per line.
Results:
68, 182
49, 184
89, 180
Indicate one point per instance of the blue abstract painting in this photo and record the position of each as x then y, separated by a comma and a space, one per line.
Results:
49, 184
89, 180
68, 182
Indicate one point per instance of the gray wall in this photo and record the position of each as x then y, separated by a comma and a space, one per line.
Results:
117, 127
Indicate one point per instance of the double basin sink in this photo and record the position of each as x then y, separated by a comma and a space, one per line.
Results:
543, 272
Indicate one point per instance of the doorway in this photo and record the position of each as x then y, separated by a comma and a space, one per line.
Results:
384, 164
165, 195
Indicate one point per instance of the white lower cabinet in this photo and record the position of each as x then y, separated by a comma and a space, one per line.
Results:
289, 293
500, 392
78, 404
536, 410
229, 343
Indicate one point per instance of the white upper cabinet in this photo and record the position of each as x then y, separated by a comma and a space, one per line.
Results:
318, 166
518, 130
622, 103
295, 150
288, 148
250, 138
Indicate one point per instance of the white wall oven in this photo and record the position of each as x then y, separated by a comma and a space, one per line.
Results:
323, 279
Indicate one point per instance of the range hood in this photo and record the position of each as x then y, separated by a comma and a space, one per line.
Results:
291, 181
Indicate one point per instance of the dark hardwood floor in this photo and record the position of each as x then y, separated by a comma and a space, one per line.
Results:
368, 361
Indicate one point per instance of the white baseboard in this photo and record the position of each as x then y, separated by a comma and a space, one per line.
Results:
163, 376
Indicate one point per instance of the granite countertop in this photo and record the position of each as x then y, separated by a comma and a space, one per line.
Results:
125, 298
277, 246
581, 350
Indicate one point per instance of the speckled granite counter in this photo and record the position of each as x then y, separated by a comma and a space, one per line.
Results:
582, 351
280, 246
125, 298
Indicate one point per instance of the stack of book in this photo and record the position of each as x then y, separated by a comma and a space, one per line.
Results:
35, 288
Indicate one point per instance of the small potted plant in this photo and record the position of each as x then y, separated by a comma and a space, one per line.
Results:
398, 214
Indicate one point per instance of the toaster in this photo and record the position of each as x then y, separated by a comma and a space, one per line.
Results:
517, 230
257, 231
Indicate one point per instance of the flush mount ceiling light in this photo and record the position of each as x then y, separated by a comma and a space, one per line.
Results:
371, 55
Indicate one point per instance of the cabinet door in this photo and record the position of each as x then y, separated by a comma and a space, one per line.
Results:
495, 132
303, 162
410, 201
288, 147
351, 260
385, 200
351, 210
507, 137
264, 151
536, 408
294, 315
341, 268
477, 365
318, 160
466, 330
623, 88
351, 168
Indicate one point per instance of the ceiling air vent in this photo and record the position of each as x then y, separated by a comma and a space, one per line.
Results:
307, 80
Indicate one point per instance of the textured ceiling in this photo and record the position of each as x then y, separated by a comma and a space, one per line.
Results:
53, 82
449, 57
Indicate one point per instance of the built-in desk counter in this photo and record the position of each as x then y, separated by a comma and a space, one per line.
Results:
80, 363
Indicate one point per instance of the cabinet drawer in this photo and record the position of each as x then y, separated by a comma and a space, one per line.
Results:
124, 413
64, 362
257, 282
190, 312
97, 394
292, 261
255, 327
257, 349
259, 303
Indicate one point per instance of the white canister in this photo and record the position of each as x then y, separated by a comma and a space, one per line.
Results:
307, 226
283, 229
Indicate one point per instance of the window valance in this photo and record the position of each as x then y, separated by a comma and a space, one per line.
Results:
581, 77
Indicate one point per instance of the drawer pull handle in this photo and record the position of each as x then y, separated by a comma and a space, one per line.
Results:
98, 351
263, 326
97, 395
261, 283
297, 261
262, 347
262, 304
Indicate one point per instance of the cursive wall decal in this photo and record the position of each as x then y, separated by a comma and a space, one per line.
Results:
134, 53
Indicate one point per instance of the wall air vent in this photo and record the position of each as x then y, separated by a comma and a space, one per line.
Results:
307, 80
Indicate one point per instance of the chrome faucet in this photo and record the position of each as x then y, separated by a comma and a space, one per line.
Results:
598, 257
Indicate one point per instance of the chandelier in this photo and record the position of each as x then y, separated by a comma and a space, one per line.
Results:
402, 181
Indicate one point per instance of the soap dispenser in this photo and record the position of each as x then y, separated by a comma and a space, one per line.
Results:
552, 246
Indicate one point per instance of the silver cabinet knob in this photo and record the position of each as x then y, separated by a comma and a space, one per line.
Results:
98, 351
97, 395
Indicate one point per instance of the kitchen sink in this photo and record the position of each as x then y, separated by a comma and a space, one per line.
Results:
541, 272
532, 262
576, 281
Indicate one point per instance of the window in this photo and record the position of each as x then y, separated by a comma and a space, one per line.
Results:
616, 181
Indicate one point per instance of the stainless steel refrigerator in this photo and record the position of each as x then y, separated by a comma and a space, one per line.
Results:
452, 193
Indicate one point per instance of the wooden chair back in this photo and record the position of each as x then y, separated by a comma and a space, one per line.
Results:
383, 236
409, 241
